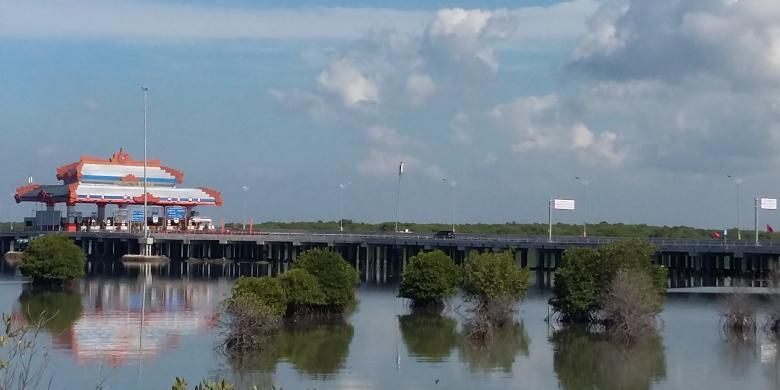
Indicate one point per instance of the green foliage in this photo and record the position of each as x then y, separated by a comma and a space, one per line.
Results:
60, 308
335, 276
268, 291
601, 229
429, 278
489, 277
52, 259
301, 288
181, 384
584, 277
429, 337
586, 361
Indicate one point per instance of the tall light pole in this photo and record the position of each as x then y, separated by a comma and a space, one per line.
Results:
398, 194
243, 210
738, 182
146, 226
452, 185
341, 211
584, 200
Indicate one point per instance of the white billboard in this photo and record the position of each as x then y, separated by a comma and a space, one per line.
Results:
768, 204
563, 204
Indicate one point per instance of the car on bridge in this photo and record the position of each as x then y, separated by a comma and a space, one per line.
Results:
444, 234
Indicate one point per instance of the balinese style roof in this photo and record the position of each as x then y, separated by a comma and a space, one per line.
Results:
118, 180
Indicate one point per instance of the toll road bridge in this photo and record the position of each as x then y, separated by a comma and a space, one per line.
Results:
371, 250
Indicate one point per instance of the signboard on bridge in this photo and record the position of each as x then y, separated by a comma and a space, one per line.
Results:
768, 204
174, 212
563, 204
137, 216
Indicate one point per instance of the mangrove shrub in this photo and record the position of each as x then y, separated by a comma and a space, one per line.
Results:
266, 290
429, 278
489, 277
52, 259
335, 276
301, 289
583, 279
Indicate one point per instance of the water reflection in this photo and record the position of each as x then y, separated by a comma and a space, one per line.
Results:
318, 351
429, 337
498, 352
59, 308
739, 354
117, 320
586, 361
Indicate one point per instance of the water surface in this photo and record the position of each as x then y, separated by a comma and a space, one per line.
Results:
128, 331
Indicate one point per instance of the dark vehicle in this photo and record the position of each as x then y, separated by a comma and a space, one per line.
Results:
444, 234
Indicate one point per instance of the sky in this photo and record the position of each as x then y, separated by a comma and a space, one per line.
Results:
652, 104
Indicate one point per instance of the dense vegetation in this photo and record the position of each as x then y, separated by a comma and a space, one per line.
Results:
336, 277
52, 260
429, 278
601, 229
494, 284
618, 277
320, 282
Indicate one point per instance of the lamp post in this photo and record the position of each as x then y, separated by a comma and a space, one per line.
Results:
452, 185
341, 211
244, 217
398, 194
146, 226
584, 200
738, 182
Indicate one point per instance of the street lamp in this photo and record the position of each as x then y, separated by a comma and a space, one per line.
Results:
582, 207
244, 217
738, 182
452, 185
147, 251
341, 211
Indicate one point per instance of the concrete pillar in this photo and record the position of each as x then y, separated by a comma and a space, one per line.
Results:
101, 212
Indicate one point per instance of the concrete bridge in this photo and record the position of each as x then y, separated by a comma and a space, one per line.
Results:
389, 252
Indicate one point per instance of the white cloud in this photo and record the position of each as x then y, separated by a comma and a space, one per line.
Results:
460, 128
464, 36
350, 84
419, 87
386, 137
539, 124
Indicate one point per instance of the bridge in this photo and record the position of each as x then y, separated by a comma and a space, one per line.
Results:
389, 252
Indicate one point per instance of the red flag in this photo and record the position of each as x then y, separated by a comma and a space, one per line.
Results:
715, 235
769, 229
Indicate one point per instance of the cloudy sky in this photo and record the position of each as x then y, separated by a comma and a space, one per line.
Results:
651, 103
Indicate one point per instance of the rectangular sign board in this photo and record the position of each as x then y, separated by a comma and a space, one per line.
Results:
174, 212
563, 204
137, 216
768, 204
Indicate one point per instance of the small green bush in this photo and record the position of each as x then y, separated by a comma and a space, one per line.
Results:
491, 277
301, 288
52, 259
335, 276
267, 290
429, 278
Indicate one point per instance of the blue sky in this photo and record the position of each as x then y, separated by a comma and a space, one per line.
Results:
653, 103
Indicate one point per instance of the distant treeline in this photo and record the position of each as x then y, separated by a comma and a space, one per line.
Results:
601, 229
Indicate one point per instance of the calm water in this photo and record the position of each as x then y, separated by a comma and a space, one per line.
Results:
99, 338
